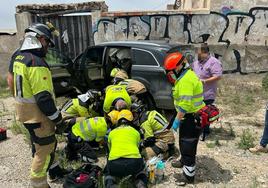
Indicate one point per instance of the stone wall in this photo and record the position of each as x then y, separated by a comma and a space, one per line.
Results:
239, 38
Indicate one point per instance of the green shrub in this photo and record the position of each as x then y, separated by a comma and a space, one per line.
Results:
214, 144
246, 140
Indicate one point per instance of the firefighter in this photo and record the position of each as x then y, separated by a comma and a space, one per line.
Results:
87, 135
116, 97
157, 136
124, 156
84, 106
133, 87
188, 99
31, 80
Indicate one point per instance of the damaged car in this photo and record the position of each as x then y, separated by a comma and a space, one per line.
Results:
142, 60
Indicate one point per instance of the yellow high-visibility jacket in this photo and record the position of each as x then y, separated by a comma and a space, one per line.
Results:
33, 86
78, 109
91, 129
123, 141
152, 122
114, 92
188, 93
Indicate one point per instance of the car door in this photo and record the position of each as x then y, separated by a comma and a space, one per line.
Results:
117, 57
61, 70
89, 70
149, 71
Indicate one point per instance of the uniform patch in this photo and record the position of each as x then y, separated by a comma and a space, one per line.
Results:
44, 78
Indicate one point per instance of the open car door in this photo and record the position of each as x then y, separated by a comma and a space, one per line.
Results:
61, 70
89, 70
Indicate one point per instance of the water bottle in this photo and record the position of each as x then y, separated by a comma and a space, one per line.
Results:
159, 171
152, 174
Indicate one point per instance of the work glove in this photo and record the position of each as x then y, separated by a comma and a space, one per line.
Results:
149, 142
60, 127
176, 124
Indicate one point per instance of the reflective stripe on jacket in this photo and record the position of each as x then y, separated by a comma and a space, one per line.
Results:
188, 93
90, 129
153, 123
114, 92
31, 76
74, 108
33, 86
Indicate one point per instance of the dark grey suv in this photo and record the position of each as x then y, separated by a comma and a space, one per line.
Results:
142, 60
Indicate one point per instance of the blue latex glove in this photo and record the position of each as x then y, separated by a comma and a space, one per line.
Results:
176, 124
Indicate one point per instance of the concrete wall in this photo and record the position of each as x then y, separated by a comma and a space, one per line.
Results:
239, 38
8, 44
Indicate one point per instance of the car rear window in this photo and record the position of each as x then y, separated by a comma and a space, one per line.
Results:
144, 57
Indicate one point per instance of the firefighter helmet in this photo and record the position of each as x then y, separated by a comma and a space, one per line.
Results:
42, 30
125, 115
113, 115
173, 60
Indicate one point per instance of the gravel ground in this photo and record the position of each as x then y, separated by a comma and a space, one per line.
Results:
219, 166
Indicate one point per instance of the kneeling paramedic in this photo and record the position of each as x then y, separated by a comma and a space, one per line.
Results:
134, 88
82, 107
188, 99
87, 135
30, 78
158, 139
124, 156
116, 98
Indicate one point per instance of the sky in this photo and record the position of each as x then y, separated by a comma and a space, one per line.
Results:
7, 9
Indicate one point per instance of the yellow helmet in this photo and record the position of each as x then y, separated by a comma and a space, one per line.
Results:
113, 115
125, 114
118, 73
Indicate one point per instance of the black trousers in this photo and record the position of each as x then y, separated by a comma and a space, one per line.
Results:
74, 147
189, 133
206, 130
125, 166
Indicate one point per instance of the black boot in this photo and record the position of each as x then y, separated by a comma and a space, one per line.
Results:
171, 150
110, 182
87, 154
70, 153
141, 180
56, 172
183, 179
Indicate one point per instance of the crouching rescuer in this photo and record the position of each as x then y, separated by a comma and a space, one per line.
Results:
158, 139
124, 156
188, 100
30, 77
87, 135
84, 106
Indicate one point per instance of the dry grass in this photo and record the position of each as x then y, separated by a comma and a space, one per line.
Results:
4, 91
241, 95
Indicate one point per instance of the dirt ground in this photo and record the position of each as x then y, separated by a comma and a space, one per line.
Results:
218, 165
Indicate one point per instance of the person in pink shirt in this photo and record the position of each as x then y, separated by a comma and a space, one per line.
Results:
209, 70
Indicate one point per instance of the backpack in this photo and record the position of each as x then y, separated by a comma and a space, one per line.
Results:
87, 176
208, 114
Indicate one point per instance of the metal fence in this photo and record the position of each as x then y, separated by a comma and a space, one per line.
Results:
76, 29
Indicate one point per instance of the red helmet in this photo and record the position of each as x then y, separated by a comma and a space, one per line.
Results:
173, 60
